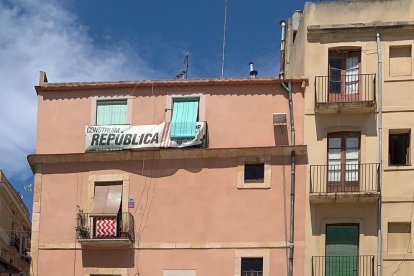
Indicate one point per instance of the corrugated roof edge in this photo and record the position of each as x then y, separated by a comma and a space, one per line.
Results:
46, 86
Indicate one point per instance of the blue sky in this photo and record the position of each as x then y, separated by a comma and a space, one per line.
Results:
98, 40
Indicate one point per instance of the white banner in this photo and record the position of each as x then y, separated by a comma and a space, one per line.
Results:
117, 137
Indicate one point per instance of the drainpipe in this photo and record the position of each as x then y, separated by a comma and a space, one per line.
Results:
379, 222
288, 89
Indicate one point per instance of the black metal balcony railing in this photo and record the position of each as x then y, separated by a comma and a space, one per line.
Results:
15, 241
252, 273
345, 89
108, 226
26, 258
344, 178
343, 265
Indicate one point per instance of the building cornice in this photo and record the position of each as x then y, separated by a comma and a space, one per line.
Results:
160, 154
69, 86
329, 28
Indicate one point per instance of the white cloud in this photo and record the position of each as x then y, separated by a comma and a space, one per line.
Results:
44, 36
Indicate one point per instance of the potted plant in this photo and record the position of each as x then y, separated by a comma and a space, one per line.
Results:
81, 228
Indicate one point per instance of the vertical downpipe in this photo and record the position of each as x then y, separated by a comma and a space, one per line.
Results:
288, 89
379, 222
292, 182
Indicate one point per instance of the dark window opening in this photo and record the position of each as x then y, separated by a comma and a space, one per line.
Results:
251, 266
399, 149
254, 172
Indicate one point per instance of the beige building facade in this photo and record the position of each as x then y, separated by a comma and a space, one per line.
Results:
341, 46
14, 231
124, 187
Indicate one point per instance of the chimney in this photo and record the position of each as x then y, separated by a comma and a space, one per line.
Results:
253, 73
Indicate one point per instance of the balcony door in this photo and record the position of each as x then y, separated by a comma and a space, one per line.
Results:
344, 70
341, 250
343, 162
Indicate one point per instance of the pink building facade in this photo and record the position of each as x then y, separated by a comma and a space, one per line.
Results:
171, 178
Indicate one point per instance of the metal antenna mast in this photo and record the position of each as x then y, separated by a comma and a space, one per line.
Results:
224, 38
187, 55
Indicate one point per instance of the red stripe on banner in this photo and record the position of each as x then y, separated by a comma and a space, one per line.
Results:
105, 227
165, 135
168, 135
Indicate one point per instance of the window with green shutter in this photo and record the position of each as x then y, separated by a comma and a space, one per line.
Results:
111, 112
184, 118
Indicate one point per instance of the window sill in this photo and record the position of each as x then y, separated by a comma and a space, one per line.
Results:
399, 78
398, 256
254, 185
254, 181
398, 168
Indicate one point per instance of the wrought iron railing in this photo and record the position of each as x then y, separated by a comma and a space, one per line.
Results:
26, 256
105, 226
343, 265
344, 178
352, 88
252, 273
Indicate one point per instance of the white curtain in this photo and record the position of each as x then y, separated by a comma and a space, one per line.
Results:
351, 79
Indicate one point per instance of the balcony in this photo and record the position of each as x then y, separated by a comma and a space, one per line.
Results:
345, 93
25, 257
105, 230
344, 183
343, 265
5, 264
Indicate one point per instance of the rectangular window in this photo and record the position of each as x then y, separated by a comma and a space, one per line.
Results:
184, 118
399, 237
343, 70
343, 162
254, 172
400, 61
251, 266
399, 149
111, 112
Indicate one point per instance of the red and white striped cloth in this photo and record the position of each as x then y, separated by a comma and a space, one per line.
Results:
105, 227
165, 139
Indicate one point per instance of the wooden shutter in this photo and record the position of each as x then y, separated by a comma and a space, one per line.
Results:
342, 250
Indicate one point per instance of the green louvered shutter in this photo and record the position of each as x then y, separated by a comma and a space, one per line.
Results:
184, 118
342, 250
112, 112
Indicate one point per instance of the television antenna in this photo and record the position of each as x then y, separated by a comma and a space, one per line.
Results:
184, 74
28, 187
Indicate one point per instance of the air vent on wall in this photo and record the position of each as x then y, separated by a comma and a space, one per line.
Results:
279, 119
